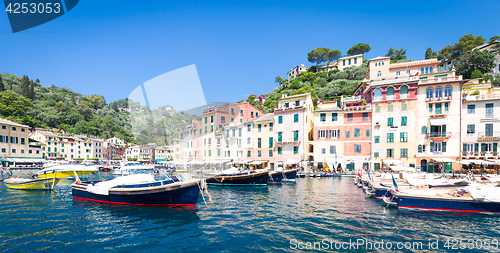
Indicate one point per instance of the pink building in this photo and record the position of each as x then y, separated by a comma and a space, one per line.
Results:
163, 153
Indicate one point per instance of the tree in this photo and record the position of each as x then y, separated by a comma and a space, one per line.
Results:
14, 107
96, 101
396, 55
429, 54
2, 88
279, 79
476, 74
32, 90
318, 55
25, 89
464, 44
84, 110
37, 80
307, 76
311, 69
496, 37
60, 106
475, 60
360, 48
333, 55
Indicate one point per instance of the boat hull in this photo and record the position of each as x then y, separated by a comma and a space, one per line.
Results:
252, 179
176, 194
446, 204
64, 174
275, 178
33, 184
289, 175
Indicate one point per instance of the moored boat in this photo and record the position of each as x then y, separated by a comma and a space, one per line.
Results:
140, 189
231, 177
66, 170
127, 167
31, 184
275, 177
289, 175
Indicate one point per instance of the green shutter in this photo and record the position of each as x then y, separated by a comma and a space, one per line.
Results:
444, 147
476, 147
495, 146
430, 107
390, 121
295, 118
270, 142
483, 147
443, 129
432, 147
367, 133
419, 148
465, 147
446, 106
424, 130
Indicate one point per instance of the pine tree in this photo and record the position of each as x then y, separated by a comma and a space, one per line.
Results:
25, 89
2, 88
32, 90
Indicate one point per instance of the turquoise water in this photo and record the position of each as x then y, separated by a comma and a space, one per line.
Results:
242, 219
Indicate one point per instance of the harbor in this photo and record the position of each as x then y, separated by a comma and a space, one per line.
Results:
277, 217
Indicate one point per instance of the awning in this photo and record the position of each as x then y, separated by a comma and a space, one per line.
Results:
159, 160
259, 162
292, 161
443, 160
476, 162
393, 162
439, 121
333, 162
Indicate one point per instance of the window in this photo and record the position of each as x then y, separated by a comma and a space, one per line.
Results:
295, 149
271, 126
377, 139
349, 117
488, 129
259, 128
280, 150
335, 133
404, 107
297, 103
335, 116
408, 72
390, 93
347, 133
223, 118
404, 152
322, 117
271, 142
489, 110
241, 112
356, 132
390, 152
323, 151
349, 61
211, 119
377, 95
13, 150
438, 109
343, 63
357, 148
430, 107
259, 143
390, 121
365, 116
218, 152
333, 149
398, 73
471, 129
390, 108
367, 133
259, 153
390, 137
377, 108
404, 121
355, 60
403, 137
447, 91
471, 108
379, 73
239, 132
270, 153
13, 129
295, 135
232, 119
22, 141
280, 136
403, 90
287, 105
419, 148
322, 134
249, 140
446, 106
429, 92
375, 154
439, 92
280, 119
249, 153
296, 117
249, 128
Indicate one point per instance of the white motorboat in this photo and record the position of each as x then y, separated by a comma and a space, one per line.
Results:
127, 167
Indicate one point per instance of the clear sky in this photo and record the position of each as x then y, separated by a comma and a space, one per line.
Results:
111, 47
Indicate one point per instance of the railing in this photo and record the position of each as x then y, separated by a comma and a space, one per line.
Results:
483, 153
404, 96
288, 140
352, 99
441, 98
358, 108
438, 135
389, 97
377, 99
489, 134
482, 97
288, 108
439, 80
392, 81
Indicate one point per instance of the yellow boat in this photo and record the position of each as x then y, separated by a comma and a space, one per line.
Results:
63, 171
31, 184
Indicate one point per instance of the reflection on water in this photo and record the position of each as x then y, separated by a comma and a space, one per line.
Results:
241, 218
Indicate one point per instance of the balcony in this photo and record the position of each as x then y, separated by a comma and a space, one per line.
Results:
482, 97
289, 140
389, 97
352, 99
433, 135
393, 81
288, 108
377, 99
404, 96
358, 108
440, 80
488, 136
439, 99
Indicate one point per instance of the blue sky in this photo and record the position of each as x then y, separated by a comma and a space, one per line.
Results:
111, 47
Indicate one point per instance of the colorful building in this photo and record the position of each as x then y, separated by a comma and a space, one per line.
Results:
264, 142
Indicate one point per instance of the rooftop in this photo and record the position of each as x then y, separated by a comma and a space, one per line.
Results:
413, 63
11, 123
